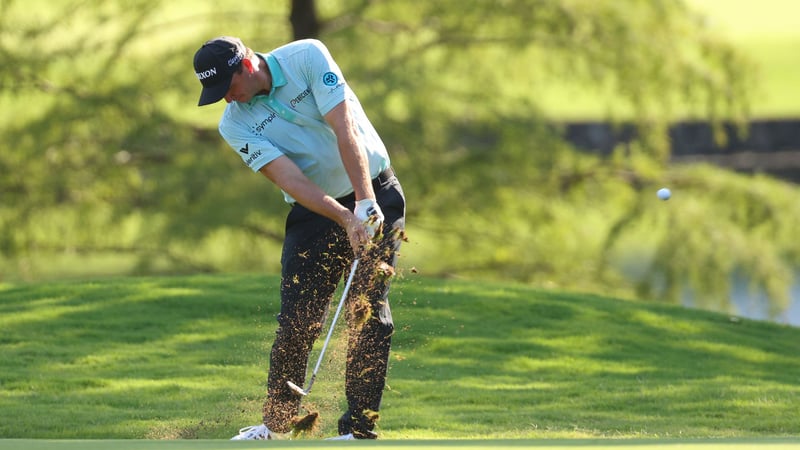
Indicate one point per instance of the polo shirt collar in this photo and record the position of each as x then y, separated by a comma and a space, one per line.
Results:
278, 79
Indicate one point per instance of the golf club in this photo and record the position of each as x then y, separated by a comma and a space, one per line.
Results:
297, 389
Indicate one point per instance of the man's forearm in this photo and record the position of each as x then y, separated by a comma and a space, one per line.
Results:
353, 157
287, 176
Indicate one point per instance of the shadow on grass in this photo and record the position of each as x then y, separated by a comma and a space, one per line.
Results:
185, 357
499, 360
120, 358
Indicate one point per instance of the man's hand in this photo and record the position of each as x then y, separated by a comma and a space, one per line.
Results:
370, 215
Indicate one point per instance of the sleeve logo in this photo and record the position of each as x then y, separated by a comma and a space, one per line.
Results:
330, 79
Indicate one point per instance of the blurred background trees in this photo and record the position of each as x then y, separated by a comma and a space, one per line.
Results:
108, 167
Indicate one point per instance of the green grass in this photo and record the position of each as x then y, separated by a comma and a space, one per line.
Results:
561, 444
185, 358
765, 32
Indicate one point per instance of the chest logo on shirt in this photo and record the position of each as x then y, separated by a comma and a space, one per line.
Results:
300, 97
330, 79
245, 149
263, 124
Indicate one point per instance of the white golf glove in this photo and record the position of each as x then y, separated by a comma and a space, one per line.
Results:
370, 214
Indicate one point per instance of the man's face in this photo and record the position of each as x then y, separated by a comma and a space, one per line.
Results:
243, 87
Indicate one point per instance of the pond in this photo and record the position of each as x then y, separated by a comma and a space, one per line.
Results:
754, 304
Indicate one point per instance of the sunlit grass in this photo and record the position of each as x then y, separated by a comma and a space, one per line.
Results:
186, 357
766, 32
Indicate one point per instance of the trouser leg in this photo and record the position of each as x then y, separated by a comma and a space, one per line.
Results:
316, 254
370, 333
312, 265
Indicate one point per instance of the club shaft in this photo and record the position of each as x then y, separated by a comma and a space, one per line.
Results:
333, 322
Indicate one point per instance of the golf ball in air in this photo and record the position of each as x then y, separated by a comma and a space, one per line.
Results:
664, 194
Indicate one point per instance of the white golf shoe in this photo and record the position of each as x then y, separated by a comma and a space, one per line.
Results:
255, 432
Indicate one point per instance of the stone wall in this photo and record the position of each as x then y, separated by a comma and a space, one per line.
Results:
768, 146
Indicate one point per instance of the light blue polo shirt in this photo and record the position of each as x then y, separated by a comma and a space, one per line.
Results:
306, 84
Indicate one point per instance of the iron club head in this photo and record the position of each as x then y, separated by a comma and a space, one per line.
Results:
297, 389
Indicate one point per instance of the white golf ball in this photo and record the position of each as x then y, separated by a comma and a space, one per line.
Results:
664, 194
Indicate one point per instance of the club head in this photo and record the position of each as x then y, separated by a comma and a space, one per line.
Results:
297, 389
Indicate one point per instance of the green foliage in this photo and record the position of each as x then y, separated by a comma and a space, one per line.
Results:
491, 60
106, 153
185, 357
724, 224
99, 165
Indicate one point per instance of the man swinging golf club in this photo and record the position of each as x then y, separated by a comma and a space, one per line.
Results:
292, 117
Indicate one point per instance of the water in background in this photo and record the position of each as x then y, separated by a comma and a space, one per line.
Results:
743, 302
754, 304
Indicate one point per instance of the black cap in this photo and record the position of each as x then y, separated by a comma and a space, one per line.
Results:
214, 64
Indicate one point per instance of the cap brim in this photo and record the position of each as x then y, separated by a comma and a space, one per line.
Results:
213, 94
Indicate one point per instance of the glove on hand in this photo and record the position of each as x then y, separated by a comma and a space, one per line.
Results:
370, 214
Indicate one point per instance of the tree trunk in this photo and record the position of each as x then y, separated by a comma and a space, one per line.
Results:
304, 19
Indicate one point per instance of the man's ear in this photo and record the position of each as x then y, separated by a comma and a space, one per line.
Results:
248, 65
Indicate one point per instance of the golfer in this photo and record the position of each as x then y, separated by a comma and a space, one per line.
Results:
291, 116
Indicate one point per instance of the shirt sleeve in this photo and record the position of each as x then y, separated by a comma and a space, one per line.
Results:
255, 151
324, 77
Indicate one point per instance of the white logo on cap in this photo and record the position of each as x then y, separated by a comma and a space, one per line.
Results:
236, 59
206, 74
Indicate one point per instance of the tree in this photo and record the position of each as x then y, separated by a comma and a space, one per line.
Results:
106, 162
509, 184
304, 19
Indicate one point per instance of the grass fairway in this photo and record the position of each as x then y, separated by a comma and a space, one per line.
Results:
767, 32
176, 361
767, 444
